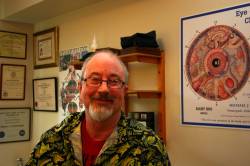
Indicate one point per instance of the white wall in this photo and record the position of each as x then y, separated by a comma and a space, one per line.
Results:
9, 152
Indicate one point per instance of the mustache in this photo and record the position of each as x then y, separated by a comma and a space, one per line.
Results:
102, 97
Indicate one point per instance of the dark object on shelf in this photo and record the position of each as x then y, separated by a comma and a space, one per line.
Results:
142, 50
140, 40
115, 50
146, 118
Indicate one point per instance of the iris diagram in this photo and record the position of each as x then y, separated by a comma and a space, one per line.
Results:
217, 63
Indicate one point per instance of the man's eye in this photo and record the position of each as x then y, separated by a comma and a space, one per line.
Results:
114, 81
95, 79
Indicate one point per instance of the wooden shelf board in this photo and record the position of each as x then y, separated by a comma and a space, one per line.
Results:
144, 93
140, 57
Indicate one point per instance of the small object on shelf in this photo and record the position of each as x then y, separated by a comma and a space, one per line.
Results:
117, 51
146, 118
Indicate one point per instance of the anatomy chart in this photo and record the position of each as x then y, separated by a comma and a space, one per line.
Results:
69, 79
215, 68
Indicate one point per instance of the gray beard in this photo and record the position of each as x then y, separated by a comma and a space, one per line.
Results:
99, 113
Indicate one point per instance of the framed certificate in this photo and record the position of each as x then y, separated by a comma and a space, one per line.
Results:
15, 124
13, 45
46, 48
45, 94
13, 82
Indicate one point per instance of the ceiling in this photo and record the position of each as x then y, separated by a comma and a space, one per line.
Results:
45, 9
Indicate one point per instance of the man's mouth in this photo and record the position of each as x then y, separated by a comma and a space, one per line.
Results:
103, 100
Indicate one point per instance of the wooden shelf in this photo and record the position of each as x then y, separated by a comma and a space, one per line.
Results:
144, 93
140, 57
132, 57
159, 94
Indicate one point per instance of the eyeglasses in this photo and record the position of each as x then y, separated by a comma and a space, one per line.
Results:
114, 83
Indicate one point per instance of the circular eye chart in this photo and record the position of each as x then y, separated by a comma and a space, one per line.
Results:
215, 68
217, 63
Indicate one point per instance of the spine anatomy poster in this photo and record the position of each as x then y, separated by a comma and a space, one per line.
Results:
215, 65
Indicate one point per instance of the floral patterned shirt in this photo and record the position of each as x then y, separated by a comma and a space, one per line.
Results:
130, 143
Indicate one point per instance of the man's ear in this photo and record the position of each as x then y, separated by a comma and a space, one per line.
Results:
79, 86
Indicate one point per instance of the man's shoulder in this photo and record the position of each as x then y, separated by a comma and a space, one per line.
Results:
54, 146
136, 132
136, 144
65, 127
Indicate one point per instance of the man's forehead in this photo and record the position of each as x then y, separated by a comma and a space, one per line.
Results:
103, 55
103, 62
103, 58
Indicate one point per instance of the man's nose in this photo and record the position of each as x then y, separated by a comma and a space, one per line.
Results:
103, 87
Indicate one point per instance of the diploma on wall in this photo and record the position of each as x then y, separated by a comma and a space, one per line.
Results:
13, 82
45, 94
13, 45
14, 124
45, 48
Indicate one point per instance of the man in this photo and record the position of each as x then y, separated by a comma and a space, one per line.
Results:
101, 135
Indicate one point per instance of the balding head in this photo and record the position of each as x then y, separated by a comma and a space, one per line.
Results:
105, 52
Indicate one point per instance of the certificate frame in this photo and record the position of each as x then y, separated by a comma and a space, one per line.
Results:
13, 79
15, 124
45, 94
46, 48
13, 45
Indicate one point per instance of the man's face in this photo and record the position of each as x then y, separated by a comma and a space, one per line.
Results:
102, 102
